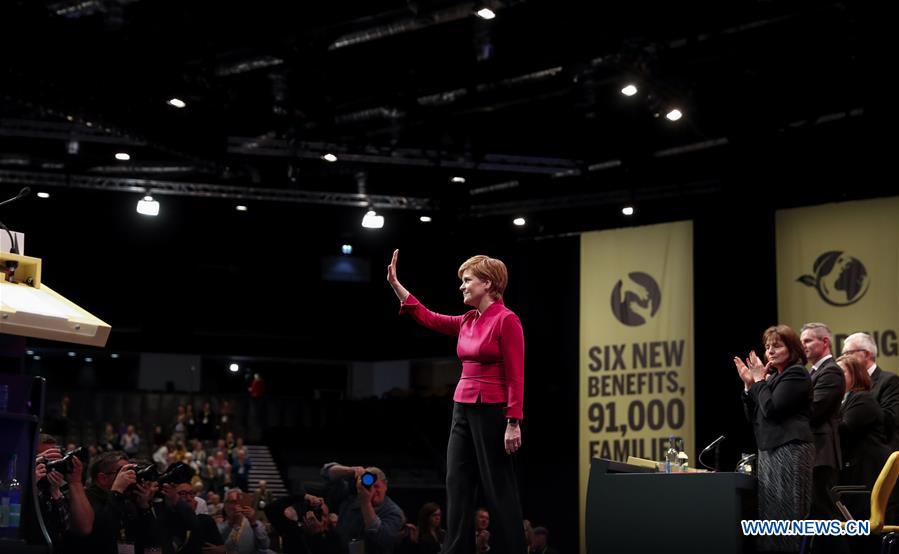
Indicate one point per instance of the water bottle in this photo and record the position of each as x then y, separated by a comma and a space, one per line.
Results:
682, 458
671, 456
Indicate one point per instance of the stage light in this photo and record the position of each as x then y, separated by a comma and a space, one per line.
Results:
43, 195
88, 359
627, 210
486, 13
240, 208
629, 90
458, 179
425, 219
347, 249
177, 103
674, 115
329, 157
371, 220
148, 206
233, 368
122, 156
72, 354
114, 356
519, 221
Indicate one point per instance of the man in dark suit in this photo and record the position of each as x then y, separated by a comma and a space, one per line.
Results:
828, 386
885, 384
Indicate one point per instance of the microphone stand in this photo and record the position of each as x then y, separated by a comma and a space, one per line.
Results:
714, 444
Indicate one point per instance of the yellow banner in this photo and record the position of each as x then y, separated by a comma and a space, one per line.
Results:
636, 344
839, 264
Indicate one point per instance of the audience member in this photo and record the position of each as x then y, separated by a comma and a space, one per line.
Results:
364, 513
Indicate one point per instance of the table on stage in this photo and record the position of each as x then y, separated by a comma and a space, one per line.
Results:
655, 512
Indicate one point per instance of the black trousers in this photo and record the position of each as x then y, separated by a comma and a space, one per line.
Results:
476, 462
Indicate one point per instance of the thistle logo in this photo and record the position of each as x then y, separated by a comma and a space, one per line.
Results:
839, 278
641, 292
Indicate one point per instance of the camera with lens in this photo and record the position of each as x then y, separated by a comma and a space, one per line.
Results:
65, 465
368, 479
147, 473
177, 473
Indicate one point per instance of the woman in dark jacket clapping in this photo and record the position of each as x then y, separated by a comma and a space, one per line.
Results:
777, 400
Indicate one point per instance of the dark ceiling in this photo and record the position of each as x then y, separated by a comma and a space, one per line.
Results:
525, 106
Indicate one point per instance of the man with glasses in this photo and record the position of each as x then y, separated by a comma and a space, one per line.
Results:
190, 533
885, 384
122, 514
241, 533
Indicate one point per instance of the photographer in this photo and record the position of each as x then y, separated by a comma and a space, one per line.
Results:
305, 525
190, 533
240, 530
119, 515
62, 500
365, 512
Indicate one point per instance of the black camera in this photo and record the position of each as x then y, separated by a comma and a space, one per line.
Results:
148, 473
177, 473
65, 465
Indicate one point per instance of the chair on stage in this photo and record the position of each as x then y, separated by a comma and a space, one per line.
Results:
880, 497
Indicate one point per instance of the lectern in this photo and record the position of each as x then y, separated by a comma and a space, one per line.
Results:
657, 512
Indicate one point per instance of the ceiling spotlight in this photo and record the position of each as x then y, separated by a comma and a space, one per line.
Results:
458, 179
627, 210
233, 368
347, 249
519, 221
36, 357
329, 157
88, 359
176, 103
371, 220
122, 156
43, 195
674, 115
629, 90
425, 219
240, 208
30, 352
486, 13
148, 206
114, 356
72, 354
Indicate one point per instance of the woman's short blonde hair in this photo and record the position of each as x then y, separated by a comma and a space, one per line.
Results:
490, 269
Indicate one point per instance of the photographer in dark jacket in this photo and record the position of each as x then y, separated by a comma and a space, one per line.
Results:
61, 495
364, 513
119, 515
777, 400
305, 525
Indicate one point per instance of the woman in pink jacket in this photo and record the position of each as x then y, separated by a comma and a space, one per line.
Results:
487, 407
